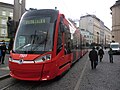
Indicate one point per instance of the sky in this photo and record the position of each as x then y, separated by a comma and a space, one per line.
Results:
74, 9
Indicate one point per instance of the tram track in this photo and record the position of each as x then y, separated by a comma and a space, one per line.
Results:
27, 85
9, 85
5, 78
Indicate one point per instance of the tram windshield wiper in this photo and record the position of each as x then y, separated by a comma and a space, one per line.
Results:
41, 41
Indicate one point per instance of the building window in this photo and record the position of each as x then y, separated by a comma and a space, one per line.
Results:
11, 14
3, 21
3, 32
4, 13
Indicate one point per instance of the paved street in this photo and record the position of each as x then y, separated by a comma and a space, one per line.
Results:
4, 69
79, 77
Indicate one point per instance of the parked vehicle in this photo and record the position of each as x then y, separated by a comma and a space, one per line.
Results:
115, 47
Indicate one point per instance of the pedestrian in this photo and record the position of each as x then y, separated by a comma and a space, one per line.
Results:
3, 48
97, 47
93, 58
100, 53
110, 55
0, 54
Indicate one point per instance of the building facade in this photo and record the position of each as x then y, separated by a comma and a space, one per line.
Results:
97, 29
116, 21
107, 36
19, 9
6, 10
87, 35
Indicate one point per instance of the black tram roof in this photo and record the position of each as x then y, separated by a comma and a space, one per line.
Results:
41, 12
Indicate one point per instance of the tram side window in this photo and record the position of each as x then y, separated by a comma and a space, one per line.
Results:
80, 42
59, 41
74, 41
67, 40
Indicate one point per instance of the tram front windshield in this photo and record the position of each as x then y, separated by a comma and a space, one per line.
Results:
35, 35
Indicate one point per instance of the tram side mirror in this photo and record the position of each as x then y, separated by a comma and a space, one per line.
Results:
62, 27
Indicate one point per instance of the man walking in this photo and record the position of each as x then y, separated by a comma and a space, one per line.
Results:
93, 58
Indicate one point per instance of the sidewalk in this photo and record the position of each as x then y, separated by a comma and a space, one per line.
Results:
4, 69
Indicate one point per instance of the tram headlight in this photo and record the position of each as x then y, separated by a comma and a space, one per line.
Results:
43, 58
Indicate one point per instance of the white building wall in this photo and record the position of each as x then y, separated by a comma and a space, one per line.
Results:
86, 24
95, 26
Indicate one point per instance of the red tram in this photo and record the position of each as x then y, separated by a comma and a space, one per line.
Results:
46, 45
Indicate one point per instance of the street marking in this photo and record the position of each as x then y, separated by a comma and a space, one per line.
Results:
80, 78
4, 68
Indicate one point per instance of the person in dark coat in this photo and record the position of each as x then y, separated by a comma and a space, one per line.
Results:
93, 58
10, 46
100, 53
3, 48
110, 55
0, 54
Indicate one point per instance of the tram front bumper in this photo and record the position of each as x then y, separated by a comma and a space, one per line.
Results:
26, 71
34, 72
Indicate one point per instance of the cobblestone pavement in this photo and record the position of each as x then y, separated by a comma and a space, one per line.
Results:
105, 77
